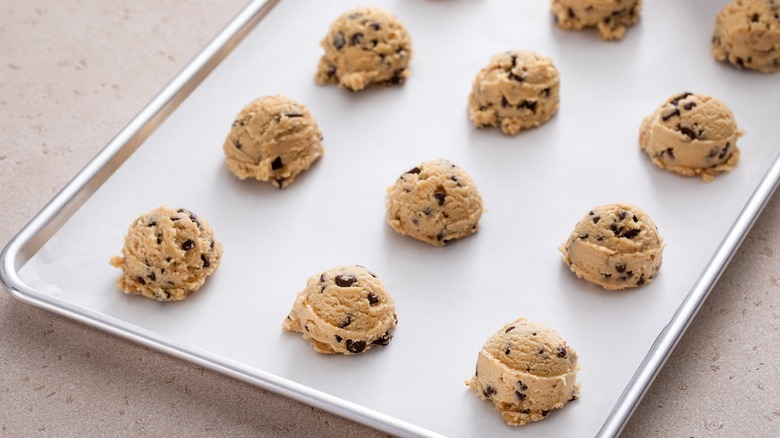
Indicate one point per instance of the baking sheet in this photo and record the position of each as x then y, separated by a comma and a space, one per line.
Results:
449, 300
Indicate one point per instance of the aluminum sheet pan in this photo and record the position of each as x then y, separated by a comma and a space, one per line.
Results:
449, 300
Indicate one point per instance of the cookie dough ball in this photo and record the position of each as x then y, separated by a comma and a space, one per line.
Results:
526, 369
615, 246
273, 139
611, 17
693, 135
517, 90
365, 46
747, 34
434, 202
168, 254
345, 310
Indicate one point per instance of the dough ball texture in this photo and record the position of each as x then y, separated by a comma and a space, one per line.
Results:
693, 135
168, 254
435, 202
747, 34
345, 309
615, 246
274, 138
364, 46
526, 369
611, 17
517, 90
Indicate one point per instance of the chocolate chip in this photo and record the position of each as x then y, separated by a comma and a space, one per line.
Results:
238, 145
607, 275
398, 77
515, 77
140, 279
374, 42
346, 322
544, 413
622, 214
338, 40
596, 219
541, 351
505, 102
545, 92
561, 351
276, 164
413, 170
591, 213
533, 334
343, 280
599, 238
531, 105
629, 274
355, 346
584, 236
689, 106
383, 340
670, 114
670, 152
159, 238
151, 223
509, 329
522, 385
457, 181
725, 151
520, 395
375, 25
641, 280
571, 13
339, 338
755, 18
440, 236
489, 391
688, 132
740, 62
188, 245
677, 99
427, 211
440, 194
205, 260
356, 39
322, 278
616, 229
630, 234
372, 298
152, 276
507, 351
194, 219
525, 411
279, 182
635, 219
621, 267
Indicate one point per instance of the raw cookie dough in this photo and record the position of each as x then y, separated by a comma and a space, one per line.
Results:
526, 369
273, 139
747, 34
615, 246
167, 255
345, 309
434, 202
365, 46
691, 134
612, 17
517, 90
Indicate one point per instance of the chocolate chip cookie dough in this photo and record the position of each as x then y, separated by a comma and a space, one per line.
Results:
747, 34
693, 135
611, 17
168, 254
365, 46
615, 246
274, 138
526, 369
517, 90
435, 202
345, 309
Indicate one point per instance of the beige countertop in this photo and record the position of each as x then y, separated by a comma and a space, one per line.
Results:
73, 72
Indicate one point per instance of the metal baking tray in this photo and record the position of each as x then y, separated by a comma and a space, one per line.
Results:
449, 300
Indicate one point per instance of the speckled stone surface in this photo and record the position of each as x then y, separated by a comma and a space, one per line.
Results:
73, 72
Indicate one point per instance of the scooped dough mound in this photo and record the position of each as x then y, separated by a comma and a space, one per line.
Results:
747, 34
274, 138
364, 46
168, 254
435, 202
526, 369
517, 90
345, 309
611, 17
693, 135
615, 246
